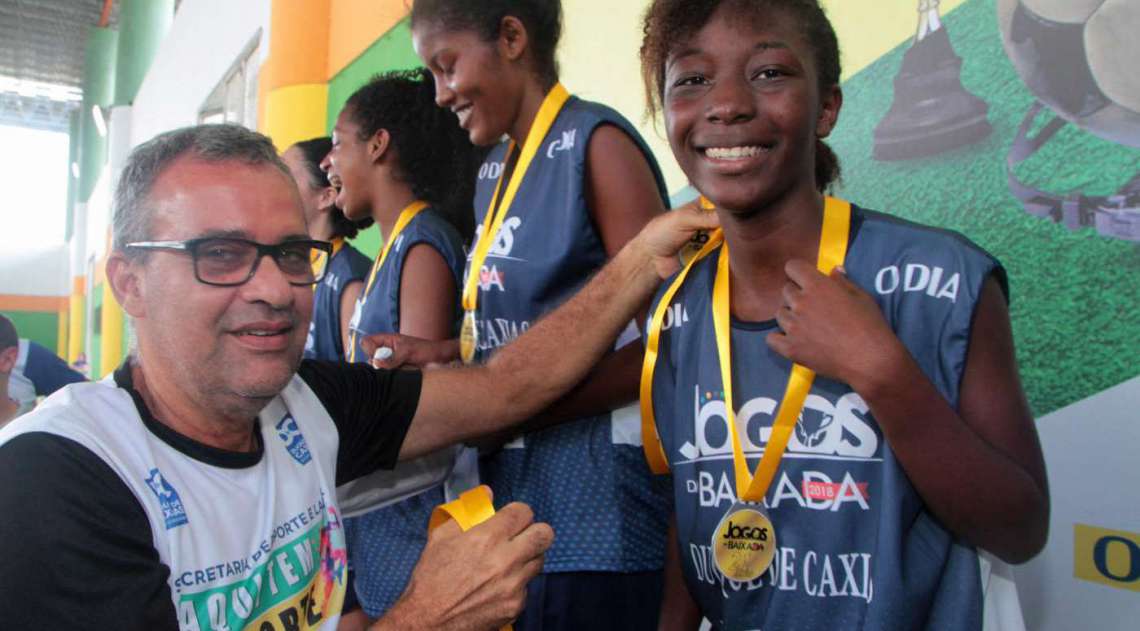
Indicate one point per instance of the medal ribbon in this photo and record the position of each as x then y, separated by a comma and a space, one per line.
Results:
316, 255
406, 217
472, 508
497, 212
750, 488
654, 452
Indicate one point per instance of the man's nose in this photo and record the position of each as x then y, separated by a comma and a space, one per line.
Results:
269, 285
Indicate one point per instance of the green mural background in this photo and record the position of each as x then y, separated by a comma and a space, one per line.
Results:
1075, 295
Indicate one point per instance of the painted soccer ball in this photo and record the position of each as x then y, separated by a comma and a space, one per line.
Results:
1081, 58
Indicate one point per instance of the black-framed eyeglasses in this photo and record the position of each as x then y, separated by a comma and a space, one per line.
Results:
228, 261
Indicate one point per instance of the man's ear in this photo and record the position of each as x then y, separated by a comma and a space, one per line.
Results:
8, 359
127, 283
378, 145
513, 39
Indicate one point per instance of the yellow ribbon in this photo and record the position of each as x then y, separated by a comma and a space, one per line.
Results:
832, 253
316, 255
471, 509
406, 216
497, 211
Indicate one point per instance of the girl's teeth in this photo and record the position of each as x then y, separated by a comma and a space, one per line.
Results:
733, 153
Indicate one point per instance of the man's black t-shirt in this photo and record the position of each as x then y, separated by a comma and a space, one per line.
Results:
76, 549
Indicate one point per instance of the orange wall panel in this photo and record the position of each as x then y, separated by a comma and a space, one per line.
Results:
354, 25
298, 43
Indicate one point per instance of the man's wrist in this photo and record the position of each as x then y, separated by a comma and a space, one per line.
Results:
398, 618
643, 265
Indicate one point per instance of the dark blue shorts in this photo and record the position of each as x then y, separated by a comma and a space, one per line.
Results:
598, 601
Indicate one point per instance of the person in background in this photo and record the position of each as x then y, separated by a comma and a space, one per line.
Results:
567, 183
28, 371
335, 298
399, 160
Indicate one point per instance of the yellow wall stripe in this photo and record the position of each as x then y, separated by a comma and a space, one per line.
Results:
77, 308
63, 330
296, 113
111, 330
354, 25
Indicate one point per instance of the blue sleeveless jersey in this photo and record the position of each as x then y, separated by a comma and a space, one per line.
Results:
857, 547
385, 544
379, 311
324, 341
587, 479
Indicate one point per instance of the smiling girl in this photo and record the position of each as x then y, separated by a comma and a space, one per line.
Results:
566, 185
838, 401
406, 164
335, 298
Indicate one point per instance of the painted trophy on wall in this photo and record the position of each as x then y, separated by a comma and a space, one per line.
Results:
932, 112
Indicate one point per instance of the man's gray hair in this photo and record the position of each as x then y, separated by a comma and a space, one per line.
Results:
209, 143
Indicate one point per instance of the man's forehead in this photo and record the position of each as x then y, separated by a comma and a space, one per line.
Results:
193, 196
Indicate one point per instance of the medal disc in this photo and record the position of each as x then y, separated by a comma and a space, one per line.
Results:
468, 338
744, 543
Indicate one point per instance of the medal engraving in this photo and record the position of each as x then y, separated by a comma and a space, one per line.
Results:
744, 543
468, 338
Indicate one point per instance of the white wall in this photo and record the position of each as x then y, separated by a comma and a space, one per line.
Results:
1091, 451
204, 41
35, 271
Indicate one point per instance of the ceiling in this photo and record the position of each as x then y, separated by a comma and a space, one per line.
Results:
42, 45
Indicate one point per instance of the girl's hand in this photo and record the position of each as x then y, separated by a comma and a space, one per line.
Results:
829, 324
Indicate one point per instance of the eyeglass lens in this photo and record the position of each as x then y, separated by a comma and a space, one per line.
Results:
231, 261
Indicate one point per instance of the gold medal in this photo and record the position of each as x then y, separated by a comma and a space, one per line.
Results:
744, 543
468, 338
699, 240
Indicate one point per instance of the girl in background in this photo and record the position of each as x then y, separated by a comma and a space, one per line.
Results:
335, 298
406, 164
567, 183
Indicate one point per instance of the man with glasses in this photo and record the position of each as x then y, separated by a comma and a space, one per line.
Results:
195, 488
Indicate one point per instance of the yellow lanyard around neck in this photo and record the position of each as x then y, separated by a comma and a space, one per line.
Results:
315, 256
751, 488
406, 216
497, 212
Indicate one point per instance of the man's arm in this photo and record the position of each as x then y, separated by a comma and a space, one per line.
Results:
524, 377
76, 544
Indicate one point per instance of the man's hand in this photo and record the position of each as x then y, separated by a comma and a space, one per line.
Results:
664, 237
475, 579
405, 351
